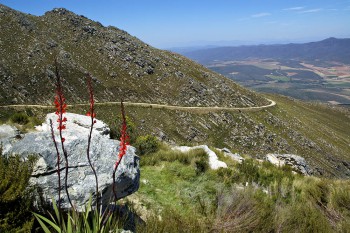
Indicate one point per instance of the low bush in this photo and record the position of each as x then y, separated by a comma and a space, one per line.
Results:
115, 132
167, 155
243, 211
20, 118
147, 144
172, 221
201, 164
15, 197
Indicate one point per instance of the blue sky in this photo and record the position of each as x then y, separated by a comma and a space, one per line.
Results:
174, 23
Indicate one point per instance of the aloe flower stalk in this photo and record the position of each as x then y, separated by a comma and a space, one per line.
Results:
58, 171
124, 142
58, 164
61, 106
92, 114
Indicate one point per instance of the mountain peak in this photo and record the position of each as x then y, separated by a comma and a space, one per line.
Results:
330, 39
121, 65
63, 13
60, 11
4, 9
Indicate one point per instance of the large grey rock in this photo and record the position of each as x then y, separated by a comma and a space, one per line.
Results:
81, 181
8, 135
8, 131
297, 162
214, 162
236, 157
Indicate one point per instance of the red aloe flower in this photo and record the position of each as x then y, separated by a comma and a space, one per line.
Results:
124, 138
61, 106
124, 142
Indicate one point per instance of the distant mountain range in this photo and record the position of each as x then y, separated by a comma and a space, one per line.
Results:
331, 49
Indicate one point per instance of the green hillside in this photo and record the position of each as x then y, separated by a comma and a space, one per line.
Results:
317, 132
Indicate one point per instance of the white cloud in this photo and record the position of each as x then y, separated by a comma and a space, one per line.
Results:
263, 14
311, 10
297, 8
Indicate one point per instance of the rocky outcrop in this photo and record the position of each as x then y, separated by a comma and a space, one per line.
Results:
214, 162
298, 163
236, 157
81, 182
8, 131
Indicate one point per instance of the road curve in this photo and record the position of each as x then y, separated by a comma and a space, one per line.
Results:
161, 106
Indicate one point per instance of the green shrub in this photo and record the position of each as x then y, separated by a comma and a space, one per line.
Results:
340, 197
20, 118
115, 126
227, 175
170, 220
303, 217
249, 171
147, 144
15, 197
168, 155
201, 164
244, 210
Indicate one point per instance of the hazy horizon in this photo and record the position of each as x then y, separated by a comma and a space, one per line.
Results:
182, 23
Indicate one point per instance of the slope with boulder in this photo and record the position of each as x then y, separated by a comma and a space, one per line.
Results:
81, 181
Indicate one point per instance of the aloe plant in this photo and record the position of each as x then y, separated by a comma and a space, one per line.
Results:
89, 221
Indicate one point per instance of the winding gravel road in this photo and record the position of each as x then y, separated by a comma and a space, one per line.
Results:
161, 106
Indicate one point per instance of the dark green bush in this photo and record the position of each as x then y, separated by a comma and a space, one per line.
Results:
115, 126
147, 144
20, 118
249, 171
201, 164
15, 197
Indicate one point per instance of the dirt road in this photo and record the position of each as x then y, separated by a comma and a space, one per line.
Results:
159, 106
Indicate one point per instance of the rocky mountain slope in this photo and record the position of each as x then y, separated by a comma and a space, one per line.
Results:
121, 65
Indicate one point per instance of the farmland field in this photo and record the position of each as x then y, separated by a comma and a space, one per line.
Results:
326, 82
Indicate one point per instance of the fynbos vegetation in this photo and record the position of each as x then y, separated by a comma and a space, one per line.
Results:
15, 196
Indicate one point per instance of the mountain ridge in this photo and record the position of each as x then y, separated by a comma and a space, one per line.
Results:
330, 49
122, 66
